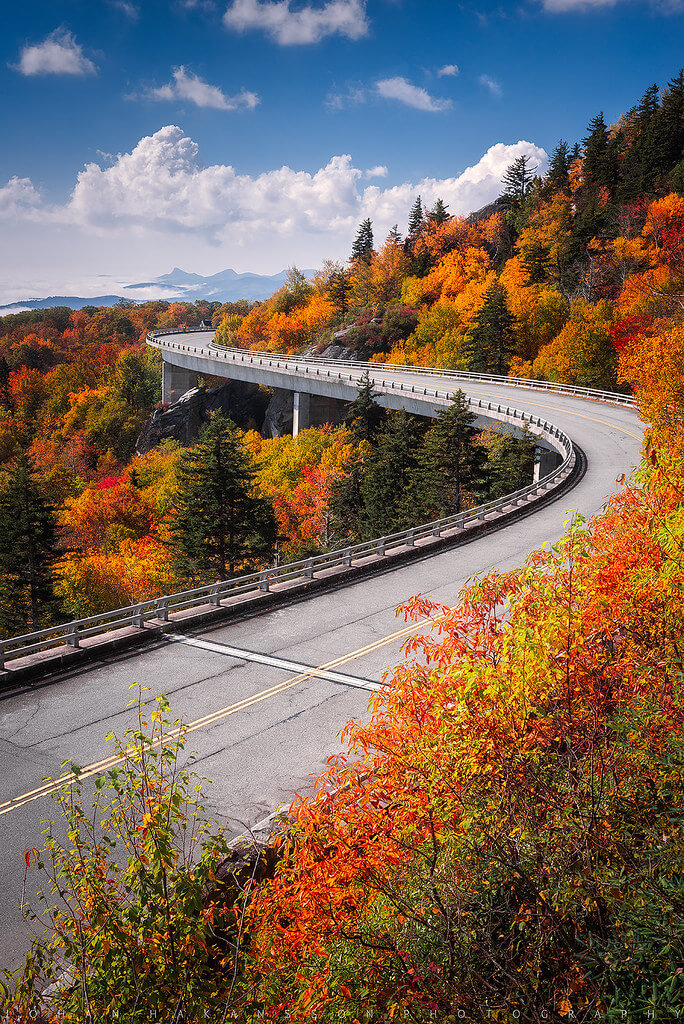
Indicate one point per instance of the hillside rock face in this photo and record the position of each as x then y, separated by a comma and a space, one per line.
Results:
268, 410
244, 403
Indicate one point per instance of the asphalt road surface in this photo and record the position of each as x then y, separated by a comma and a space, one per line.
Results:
270, 722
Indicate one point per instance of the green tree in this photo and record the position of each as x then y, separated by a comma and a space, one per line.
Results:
339, 288
4, 381
517, 181
641, 163
416, 219
671, 123
509, 463
599, 166
137, 380
492, 337
364, 415
558, 175
362, 248
346, 503
386, 489
28, 528
451, 464
439, 213
420, 261
219, 524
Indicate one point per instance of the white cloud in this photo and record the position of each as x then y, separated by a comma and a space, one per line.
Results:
411, 95
175, 208
448, 71
18, 198
491, 84
563, 6
576, 5
187, 86
306, 25
127, 8
377, 172
58, 54
352, 97
162, 184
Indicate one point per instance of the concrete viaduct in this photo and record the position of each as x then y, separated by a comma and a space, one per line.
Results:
321, 389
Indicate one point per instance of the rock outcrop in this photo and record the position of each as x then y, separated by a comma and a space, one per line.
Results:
246, 404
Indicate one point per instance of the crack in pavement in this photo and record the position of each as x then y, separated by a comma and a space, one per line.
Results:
260, 732
25, 725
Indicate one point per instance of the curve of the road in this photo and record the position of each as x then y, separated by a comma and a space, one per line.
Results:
267, 695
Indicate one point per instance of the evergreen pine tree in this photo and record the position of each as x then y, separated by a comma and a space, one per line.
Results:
364, 416
362, 249
339, 288
438, 214
509, 463
416, 218
416, 223
600, 161
28, 527
346, 504
517, 181
394, 236
387, 504
492, 337
641, 164
219, 523
671, 123
450, 464
559, 166
4, 381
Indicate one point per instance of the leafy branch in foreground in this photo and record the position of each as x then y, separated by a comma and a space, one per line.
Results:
137, 923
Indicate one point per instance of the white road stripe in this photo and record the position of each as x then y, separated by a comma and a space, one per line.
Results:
268, 659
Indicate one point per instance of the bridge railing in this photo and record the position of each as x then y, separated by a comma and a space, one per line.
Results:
322, 365
161, 609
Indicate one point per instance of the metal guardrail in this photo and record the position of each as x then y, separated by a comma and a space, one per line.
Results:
291, 363
70, 634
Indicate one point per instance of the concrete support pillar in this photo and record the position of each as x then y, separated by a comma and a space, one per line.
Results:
546, 463
176, 380
301, 415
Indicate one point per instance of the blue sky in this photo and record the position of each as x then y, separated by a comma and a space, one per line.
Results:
139, 135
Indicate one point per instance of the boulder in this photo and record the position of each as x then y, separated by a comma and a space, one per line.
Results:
244, 403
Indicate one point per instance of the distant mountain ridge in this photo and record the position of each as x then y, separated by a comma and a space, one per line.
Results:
224, 286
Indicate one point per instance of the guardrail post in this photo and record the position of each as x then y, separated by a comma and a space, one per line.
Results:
309, 569
72, 636
380, 546
263, 581
411, 539
138, 619
437, 530
163, 610
2, 656
214, 598
347, 557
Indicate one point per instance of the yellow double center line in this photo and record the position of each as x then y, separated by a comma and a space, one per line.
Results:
52, 785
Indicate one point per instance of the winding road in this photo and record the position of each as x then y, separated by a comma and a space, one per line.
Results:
266, 694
